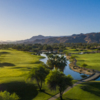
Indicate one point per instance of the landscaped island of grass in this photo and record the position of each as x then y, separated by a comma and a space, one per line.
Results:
91, 60
84, 91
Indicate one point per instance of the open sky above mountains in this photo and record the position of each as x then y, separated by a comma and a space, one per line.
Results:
22, 19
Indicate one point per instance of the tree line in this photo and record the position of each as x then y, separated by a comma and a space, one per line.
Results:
50, 47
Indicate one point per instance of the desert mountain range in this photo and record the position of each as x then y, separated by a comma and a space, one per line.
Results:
75, 38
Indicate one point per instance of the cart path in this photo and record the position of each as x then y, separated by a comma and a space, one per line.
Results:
93, 77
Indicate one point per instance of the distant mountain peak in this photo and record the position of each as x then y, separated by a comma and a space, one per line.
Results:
93, 37
40, 35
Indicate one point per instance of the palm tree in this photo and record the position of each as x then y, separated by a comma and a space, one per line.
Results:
58, 79
56, 61
39, 74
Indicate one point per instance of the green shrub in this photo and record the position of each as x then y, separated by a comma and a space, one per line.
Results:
74, 67
72, 57
7, 96
84, 65
88, 70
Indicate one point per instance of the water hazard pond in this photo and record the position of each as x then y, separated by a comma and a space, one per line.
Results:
67, 70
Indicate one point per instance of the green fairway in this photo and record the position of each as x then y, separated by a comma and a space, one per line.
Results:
14, 66
85, 91
72, 51
16, 63
68, 50
92, 60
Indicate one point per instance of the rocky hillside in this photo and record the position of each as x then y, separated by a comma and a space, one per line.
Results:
83, 38
75, 38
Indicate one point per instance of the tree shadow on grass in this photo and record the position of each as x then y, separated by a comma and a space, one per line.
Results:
26, 91
6, 64
92, 87
36, 62
67, 99
22, 68
46, 92
1, 53
81, 61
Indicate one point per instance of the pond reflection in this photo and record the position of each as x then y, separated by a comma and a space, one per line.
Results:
66, 69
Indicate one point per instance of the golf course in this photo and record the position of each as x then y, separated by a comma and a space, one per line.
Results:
91, 60
14, 67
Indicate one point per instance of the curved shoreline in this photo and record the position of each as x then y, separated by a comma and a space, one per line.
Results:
93, 76
78, 69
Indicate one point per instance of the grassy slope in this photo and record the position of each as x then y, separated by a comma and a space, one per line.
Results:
85, 91
16, 63
92, 60
14, 67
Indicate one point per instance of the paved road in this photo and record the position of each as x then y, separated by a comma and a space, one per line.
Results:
96, 75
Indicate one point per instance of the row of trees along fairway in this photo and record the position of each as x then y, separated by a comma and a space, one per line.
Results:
54, 78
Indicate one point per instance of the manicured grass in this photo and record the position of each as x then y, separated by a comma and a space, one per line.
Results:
85, 91
68, 50
72, 51
46, 93
16, 63
14, 66
92, 60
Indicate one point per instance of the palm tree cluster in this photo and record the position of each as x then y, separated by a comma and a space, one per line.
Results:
56, 61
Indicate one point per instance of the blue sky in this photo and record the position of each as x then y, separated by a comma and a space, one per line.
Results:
22, 19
